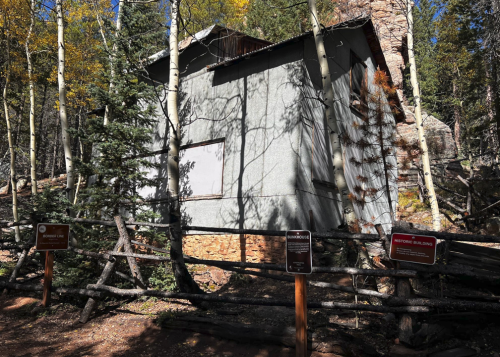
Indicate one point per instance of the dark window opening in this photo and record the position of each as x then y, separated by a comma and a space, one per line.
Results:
359, 86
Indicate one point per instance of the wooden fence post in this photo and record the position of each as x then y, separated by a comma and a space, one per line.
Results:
127, 247
106, 272
47, 277
405, 329
301, 315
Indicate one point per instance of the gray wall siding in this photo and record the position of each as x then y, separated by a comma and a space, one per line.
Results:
254, 106
276, 138
338, 45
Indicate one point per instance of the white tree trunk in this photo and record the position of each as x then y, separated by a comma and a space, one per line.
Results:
112, 56
436, 221
182, 277
32, 103
338, 167
13, 178
68, 156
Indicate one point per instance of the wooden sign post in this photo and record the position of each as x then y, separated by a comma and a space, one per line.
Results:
50, 237
299, 262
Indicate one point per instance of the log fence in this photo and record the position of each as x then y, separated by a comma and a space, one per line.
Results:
401, 304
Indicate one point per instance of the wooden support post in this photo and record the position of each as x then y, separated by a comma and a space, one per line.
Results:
47, 277
300, 315
106, 272
127, 247
405, 320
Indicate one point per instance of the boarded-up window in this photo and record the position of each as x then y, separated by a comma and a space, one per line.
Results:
358, 83
201, 167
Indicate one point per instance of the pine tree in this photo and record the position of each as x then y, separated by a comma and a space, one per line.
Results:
120, 162
425, 56
377, 141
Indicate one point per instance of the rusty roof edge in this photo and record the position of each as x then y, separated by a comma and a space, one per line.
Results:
352, 23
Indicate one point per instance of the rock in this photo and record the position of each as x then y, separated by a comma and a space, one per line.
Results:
439, 140
389, 318
493, 225
3, 190
430, 333
455, 352
21, 184
402, 351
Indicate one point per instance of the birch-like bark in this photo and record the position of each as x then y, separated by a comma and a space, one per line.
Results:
338, 167
112, 55
32, 103
182, 277
68, 156
431, 194
13, 178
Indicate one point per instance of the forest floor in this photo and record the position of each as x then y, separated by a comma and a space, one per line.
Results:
143, 327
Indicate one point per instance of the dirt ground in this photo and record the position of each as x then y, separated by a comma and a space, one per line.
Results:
132, 328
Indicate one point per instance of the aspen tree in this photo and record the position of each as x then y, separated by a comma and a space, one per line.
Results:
68, 156
326, 80
335, 135
32, 101
182, 277
13, 178
436, 221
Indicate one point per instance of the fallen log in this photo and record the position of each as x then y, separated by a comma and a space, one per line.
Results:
477, 262
25, 222
449, 236
451, 204
453, 270
320, 284
39, 287
13, 246
475, 250
445, 303
253, 301
103, 256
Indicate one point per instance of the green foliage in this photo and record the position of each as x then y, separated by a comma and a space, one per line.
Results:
425, 56
120, 159
277, 20
162, 278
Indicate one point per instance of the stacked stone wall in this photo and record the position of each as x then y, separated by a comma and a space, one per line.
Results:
235, 247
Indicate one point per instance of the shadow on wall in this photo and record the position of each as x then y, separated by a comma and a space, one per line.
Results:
239, 109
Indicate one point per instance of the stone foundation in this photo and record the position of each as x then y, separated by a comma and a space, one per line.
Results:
235, 247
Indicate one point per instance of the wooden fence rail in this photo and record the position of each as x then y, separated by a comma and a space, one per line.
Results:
318, 235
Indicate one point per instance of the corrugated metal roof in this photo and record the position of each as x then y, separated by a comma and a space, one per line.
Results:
188, 41
356, 22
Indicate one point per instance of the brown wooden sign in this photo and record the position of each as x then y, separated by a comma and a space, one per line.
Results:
298, 252
413, 248
52, 236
